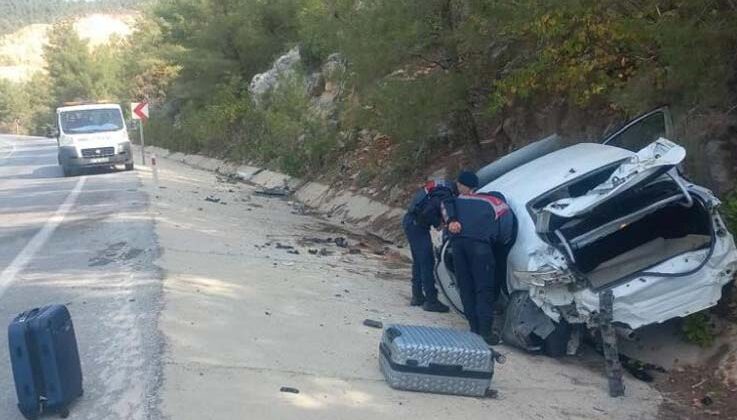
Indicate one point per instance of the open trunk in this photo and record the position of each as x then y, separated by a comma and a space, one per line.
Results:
657, 237
625, 219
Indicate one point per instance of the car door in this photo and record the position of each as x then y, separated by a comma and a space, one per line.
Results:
643, 130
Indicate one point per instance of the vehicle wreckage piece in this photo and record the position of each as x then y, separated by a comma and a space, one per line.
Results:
609, 344
616, 216
525, 321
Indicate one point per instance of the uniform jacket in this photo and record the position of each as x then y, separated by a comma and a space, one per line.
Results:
425, 207
484, 217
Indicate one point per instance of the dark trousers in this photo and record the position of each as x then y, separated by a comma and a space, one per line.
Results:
423, 260
474, 264
501, 252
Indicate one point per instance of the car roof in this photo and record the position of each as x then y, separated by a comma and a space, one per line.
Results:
87, 107
545, 173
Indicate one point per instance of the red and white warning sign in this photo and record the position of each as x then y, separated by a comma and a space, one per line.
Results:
139, 110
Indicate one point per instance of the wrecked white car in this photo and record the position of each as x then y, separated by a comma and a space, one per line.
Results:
595, 217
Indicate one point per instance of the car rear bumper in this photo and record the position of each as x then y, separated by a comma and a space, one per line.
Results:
656, 298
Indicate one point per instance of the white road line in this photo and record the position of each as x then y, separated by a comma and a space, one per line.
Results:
10, 153
39, 239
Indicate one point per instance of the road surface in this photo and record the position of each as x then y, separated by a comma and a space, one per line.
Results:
87, 242
197, 298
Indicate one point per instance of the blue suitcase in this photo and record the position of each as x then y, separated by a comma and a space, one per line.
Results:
45, 360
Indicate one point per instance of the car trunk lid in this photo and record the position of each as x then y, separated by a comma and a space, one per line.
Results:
648, 164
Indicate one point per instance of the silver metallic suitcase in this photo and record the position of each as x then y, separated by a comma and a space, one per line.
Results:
437, 360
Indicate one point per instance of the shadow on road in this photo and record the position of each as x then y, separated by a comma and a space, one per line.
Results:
54, 171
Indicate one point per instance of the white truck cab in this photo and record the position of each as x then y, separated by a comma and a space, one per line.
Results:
92, 135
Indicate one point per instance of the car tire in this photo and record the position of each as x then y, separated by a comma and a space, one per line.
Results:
556, 344
68, 172
128, 166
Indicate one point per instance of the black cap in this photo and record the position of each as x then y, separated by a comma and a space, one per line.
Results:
468, 179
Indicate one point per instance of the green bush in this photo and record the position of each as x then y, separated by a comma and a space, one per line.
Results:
292, 136
697, 329
729, 208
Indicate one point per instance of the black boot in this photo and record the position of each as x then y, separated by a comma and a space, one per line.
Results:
486, 331
434, 305
492, 338
417, 300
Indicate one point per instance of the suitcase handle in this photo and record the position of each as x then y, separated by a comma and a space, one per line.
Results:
392, 333
29, 314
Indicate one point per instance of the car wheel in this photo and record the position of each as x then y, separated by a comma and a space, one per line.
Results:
128, 166
556, 344
67, 171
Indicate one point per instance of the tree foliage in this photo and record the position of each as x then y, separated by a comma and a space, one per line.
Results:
432, 74
631, 54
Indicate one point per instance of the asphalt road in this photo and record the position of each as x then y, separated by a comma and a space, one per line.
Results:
87, 242
242, 300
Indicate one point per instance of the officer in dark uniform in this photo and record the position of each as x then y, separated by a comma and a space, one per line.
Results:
424, 212
477, 222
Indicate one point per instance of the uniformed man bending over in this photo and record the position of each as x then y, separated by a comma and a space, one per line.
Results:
424, 212
475, 225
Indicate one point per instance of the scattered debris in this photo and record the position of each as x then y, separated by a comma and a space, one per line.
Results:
382, 251
212, 199
273, 192
341, 242
373, 324
293, 252
289, 389
698, 384
638, 369
324, 252
227, 179
354, 251
267, 313
315, 240
379, 238
282, 246
313, 251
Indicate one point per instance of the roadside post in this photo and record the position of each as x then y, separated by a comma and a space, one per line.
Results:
155, 169
139, 112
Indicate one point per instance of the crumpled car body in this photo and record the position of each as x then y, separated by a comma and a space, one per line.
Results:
593, 217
